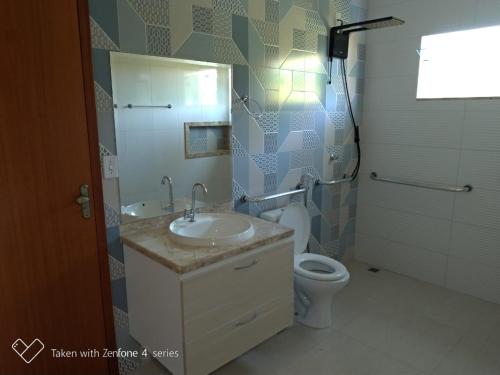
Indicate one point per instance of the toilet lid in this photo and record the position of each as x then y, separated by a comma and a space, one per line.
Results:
296, 216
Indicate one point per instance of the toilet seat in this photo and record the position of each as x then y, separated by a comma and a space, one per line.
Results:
319, 267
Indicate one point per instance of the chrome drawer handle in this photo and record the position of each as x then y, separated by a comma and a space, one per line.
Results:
244, 322
253, 263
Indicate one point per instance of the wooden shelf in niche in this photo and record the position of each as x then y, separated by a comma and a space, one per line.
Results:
205, 139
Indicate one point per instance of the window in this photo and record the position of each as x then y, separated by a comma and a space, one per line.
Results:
462, 64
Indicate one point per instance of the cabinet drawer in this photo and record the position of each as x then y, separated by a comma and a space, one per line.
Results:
237, 336
231, 289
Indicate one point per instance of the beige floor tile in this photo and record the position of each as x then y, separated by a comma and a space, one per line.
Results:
472, 356
412, 339
384, 324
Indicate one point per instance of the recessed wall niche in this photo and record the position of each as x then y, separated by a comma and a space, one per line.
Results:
205, 139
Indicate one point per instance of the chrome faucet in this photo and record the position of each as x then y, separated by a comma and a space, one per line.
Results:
168, 179
192, 212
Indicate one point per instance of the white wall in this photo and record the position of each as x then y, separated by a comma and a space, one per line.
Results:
449, 239
150, 141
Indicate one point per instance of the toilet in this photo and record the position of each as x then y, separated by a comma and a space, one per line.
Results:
317, 278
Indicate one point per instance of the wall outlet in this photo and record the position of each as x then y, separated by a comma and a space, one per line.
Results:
110, 166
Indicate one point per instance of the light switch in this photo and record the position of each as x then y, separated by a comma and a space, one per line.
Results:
110, 166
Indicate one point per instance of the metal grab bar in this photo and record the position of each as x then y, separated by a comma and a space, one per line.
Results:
245, 199
333, 182
455, 189
145, 106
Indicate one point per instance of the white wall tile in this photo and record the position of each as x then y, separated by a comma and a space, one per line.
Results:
488, 13
423, 128
482, 130
474, 278
480, 169
411, 162
392, 58
476, 244
432, 203
414, 230
418, 263
399, 93
452, 142
479, 207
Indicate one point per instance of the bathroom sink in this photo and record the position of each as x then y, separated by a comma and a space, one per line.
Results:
154, 208
211, 229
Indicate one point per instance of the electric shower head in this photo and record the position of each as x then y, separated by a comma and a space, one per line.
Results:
378, 23
339, 35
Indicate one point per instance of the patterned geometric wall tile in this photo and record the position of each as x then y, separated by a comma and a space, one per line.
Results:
203, 19
230, 6
272, 101
311, 41
315, 23
311, 140
270, 143
221, 31
268, 163
120, 318
344, 8
116, 268
222, 24
158, 39
272, 11
302, 121
269, 122
307, 4
127, 366
269, 78
100, 39
301, 158
104, 102
238, 191
268, 31
237, 147
103, 151
272, 56
226, 52
153, 12
112, 218
337, 118
299, 39
270, 183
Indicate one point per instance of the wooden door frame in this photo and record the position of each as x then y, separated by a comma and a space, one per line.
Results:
96, 190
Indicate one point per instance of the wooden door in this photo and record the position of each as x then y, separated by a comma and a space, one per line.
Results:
54, 282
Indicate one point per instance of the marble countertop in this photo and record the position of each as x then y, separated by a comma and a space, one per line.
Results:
151, 238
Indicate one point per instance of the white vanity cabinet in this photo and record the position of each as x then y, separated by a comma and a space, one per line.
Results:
213, 314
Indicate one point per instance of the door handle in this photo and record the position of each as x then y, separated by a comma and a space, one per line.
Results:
84, 201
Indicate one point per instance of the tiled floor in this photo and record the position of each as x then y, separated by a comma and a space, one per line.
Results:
385, 324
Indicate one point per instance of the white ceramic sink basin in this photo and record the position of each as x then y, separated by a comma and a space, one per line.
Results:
212, 229
154, 208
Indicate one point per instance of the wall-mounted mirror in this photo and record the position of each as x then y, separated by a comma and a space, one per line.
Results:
172, 123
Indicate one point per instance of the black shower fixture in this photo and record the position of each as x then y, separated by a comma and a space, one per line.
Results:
339, 35
339, 46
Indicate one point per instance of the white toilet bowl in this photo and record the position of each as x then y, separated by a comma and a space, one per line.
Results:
317, 278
